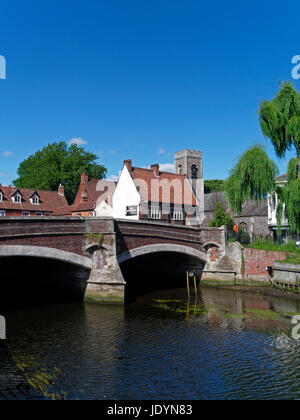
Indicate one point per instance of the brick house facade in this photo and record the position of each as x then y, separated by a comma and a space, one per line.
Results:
28, 202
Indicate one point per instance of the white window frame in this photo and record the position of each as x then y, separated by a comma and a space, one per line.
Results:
2, 213
155, 212
26, 213
39, 213
176, 213
35, 199
1, 196
17, 198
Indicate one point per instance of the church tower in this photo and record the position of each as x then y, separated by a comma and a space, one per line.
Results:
189, 163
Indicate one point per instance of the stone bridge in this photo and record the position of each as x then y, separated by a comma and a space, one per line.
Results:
101, 255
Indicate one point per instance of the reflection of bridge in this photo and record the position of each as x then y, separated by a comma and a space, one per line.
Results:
101, 255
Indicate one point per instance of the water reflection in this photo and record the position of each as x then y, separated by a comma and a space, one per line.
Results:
226, 344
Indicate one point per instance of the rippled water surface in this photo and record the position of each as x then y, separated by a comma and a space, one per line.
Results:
228, 344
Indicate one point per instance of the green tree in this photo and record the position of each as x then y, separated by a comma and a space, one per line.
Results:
213, 185
221, 218
280, 122
280, 119
252, 178
57, 163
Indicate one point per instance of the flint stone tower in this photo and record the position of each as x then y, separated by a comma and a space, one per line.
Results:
189, 163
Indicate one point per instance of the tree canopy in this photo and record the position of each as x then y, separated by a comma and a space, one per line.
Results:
280, 119
213, 185
252, 178
57, 163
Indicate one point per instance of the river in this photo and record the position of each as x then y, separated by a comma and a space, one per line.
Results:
226, 344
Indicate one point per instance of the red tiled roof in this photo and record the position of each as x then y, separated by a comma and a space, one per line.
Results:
92, 190
63, 211
49, 200
180, 193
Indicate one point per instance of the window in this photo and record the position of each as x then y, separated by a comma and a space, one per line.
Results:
2, 213
17, 198
194, 172
26, 213
38, 213
47, 213
35, 199
177, 213
180, 170
1, 196
155, 212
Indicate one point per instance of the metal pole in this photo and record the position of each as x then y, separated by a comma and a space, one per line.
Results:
188, 284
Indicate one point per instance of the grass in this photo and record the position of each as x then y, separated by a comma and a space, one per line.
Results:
292, 259
290, 247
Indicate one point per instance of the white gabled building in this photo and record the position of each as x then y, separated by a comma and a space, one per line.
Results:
126, 199
272, 211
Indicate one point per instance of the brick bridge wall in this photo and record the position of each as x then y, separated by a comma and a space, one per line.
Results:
83, 236
72, 234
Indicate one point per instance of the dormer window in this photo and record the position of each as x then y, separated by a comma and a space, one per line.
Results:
35, 199
17, 198
1, 196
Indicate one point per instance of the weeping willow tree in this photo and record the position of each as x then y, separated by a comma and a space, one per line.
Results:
252, 178
280, 119
280, 122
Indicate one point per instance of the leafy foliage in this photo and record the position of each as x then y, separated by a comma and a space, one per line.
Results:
57, 163
252, 178
280, 119
221, 218
213, 185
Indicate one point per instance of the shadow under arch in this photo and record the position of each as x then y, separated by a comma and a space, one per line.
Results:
158, 267
32, 276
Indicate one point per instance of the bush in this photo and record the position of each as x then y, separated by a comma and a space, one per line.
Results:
221, 218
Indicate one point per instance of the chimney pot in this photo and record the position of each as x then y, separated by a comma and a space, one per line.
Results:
84, 177
61, 190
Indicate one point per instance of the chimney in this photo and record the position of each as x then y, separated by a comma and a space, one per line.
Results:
61, 190
128, 163
84, 177
155, 169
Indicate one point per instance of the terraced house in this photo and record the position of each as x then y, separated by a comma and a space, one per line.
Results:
26, 202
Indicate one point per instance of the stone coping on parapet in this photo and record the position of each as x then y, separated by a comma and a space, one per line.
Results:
80, 218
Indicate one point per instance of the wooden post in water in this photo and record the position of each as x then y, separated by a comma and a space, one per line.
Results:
188, 284
195, 285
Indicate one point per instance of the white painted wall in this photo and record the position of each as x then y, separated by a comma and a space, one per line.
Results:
125, 195
272, 210
104, 210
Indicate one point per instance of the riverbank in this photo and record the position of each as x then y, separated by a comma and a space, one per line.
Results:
264, 288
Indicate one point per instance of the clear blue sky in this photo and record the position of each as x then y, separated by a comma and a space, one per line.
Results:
142, 79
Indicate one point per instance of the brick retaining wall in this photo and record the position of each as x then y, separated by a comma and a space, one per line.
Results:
256, 261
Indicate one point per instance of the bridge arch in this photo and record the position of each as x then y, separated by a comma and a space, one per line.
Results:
155, 267
153, 249
45, 252
33, 275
